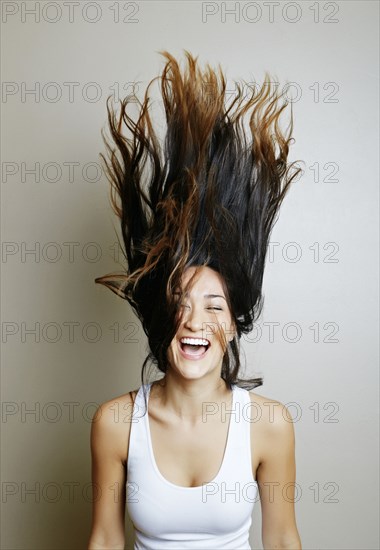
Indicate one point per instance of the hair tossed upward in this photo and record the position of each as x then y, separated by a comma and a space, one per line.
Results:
205, 195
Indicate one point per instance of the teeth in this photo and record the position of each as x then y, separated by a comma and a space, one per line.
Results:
195, 341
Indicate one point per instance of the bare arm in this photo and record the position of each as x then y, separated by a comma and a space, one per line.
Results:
276, 476
108, 450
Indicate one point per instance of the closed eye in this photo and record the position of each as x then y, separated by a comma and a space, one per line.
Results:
217, 308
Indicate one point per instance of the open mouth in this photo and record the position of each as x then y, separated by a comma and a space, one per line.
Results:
194, 350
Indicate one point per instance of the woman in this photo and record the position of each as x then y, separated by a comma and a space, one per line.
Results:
191, 452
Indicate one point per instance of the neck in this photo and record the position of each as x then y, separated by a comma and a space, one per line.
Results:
191, 400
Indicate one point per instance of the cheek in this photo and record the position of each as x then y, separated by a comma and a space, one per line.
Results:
171, 351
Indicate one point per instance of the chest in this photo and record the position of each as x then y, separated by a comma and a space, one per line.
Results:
187, 509
192, 455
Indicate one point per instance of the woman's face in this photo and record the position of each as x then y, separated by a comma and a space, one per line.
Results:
204, 311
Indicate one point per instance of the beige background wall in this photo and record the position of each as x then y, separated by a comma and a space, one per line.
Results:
68, 344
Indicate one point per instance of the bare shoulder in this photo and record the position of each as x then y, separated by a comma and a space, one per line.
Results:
111, 424
116, 409
271, 416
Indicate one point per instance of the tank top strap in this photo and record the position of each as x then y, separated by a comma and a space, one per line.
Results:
138, 436
239, 458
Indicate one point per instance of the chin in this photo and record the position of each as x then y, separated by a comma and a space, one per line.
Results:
190, 374
192, 369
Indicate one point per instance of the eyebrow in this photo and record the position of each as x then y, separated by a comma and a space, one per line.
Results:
214, 296
207, 295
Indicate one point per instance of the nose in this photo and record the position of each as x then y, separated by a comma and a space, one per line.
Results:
193, 320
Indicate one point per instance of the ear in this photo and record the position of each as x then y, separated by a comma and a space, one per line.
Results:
231, 334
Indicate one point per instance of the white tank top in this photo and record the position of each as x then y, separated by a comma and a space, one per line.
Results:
216, 515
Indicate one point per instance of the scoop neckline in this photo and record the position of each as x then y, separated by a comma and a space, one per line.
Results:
153, 459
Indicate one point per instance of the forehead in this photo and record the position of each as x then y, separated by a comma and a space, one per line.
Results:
205, 279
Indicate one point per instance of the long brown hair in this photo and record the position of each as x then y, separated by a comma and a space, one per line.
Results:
206, 195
